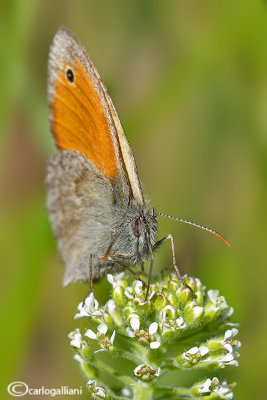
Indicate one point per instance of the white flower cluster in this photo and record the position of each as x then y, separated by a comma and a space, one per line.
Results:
138, 329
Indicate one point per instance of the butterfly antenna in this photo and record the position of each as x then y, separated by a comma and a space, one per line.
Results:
205, 228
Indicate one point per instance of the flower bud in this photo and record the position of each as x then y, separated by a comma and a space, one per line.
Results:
183, 294
159, 301
194, 316
119, 296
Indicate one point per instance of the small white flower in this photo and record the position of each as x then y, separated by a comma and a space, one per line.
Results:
146, 372
76, 338
88, 308
224, 392
104, 342
213, 386
91, 302
222, 389
227, 342
96, 390
218, 301
196, 353
100, 392
71, 334
227, 359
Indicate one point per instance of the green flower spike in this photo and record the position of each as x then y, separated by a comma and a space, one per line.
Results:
132, 343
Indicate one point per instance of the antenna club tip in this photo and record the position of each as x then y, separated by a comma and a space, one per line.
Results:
225, 241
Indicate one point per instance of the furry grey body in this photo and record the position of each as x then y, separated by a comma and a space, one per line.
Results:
91, 215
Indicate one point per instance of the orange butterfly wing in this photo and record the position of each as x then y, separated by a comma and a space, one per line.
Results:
82, 115
78, 114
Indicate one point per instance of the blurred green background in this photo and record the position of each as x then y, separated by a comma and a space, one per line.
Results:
189, 81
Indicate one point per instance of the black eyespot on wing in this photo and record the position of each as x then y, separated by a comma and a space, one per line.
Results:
70, 75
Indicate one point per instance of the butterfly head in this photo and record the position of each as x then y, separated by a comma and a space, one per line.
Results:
137, 236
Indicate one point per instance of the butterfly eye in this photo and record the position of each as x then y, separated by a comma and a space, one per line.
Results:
70, 75
137, 227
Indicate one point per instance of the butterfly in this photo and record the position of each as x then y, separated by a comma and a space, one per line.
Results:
97, 209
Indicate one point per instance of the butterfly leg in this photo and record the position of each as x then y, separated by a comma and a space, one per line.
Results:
136, 275
142, 268
91, 287
174, 264
150, 269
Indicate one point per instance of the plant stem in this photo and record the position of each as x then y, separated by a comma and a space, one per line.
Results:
143, 391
